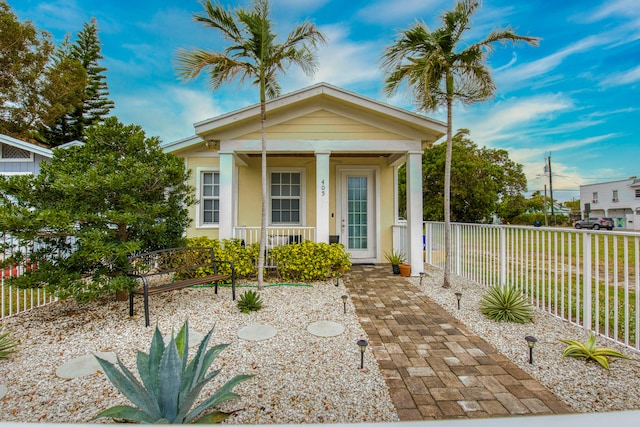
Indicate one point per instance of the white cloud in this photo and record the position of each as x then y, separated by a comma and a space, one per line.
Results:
550, 62
168, 112
505, 119
342, 62
622, 78
610, 8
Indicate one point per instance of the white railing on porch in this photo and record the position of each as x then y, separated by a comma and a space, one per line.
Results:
589, 278
276, 236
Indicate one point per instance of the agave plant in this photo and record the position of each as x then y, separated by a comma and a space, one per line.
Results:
170, 384
7, 344
589, 351
506, 304
249, 301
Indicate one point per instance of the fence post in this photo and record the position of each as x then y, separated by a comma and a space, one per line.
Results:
455, 229
427, 232
586, 280
502, 259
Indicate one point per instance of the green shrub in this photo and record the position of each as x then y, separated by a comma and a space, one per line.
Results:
228, 250
309, 261
7, 344
249, 301
506, 304
170, 383
588, 351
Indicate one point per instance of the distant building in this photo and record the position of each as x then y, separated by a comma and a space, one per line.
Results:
19, 157
619, 200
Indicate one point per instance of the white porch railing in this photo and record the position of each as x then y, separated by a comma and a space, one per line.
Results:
589, 278
276, 236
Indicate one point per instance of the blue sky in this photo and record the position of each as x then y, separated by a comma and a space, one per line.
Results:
576, 97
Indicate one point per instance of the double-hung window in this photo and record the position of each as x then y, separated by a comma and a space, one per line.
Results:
286, 196
209, 189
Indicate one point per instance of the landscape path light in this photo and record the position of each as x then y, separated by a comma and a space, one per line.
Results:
458, 297
363, 346
344, 303
422, 274
531, 342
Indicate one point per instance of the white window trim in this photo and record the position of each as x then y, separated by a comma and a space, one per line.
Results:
199, 219
303, 195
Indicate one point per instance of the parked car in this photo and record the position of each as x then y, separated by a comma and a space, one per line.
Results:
595, 223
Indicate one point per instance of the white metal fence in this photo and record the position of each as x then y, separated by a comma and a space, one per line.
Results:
590, 278
14, 300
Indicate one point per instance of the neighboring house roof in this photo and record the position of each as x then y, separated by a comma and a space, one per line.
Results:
74, 143
28, 146
322, 96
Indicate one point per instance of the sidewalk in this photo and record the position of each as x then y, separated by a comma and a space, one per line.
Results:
434, 366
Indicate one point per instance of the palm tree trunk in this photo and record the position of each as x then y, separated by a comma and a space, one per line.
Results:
263, 225
447, 198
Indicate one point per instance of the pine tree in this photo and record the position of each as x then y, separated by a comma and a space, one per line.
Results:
96, 104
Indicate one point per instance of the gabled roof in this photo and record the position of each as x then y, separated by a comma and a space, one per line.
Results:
28, 146
319, 96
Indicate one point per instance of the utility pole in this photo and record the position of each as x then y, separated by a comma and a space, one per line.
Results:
547, 168
546, 221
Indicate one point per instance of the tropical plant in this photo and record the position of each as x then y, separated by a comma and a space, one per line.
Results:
506, 304
170, 383
395, 257
7, 344
588, 351
249, 301
439, 73
253, 54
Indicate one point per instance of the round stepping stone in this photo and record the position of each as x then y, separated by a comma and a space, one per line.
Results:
84, 365
325, 328
3, 390
257, 332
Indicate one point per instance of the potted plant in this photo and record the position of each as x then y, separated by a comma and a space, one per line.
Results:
395, 258
405, 269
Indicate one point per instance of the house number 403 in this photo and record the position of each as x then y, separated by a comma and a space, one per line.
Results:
322, 187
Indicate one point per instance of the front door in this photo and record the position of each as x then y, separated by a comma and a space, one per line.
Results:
356, 213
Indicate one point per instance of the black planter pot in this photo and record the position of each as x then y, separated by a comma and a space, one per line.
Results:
396, 269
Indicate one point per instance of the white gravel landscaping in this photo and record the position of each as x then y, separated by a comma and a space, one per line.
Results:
299, 377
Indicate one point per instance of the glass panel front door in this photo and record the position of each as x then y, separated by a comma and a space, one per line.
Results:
356, 215
357, 212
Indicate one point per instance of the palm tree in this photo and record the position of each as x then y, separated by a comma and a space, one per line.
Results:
439, 73
253, 53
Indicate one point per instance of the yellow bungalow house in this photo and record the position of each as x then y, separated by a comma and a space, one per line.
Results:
332, 161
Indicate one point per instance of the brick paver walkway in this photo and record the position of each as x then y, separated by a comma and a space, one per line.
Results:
434, 366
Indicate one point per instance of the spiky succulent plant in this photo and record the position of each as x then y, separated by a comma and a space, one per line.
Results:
249, 301
588, 351
170, 384
7, 344
506, 304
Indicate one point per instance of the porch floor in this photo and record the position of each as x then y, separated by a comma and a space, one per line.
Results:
434, 366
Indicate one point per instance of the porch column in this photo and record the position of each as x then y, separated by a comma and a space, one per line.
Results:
414, 212
322, 196
225, 230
